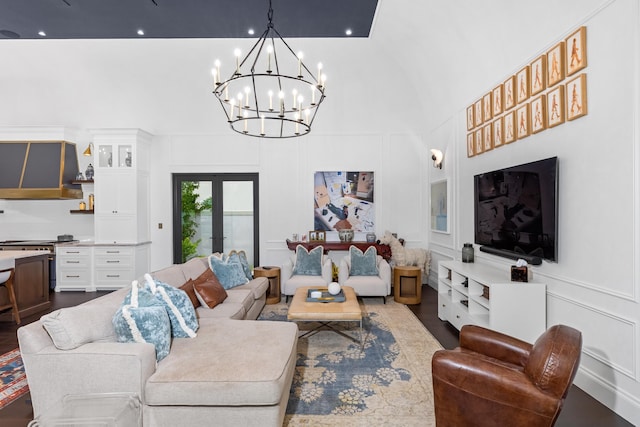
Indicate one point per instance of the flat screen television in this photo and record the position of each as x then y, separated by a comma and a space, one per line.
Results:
516, 211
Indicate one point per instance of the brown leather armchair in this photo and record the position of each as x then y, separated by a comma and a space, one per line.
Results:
493, 379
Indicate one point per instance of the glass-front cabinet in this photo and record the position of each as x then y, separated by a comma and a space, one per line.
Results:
121, 186
112, 155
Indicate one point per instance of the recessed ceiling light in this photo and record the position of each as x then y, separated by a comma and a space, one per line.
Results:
42, 33
141, 32
348, 32
250, 31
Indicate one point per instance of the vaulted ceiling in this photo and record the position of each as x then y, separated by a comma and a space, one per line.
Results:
113, 19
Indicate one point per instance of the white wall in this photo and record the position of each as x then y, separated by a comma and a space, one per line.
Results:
594, 286
390, 98
286, 171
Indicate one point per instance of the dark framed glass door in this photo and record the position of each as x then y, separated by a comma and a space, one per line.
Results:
215, 213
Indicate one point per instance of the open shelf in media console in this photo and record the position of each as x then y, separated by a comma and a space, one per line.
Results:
490, 299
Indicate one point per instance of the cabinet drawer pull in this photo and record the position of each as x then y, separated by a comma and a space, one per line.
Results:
72, 277
73, 252
113, 275
73, 262
112, 262
113, 252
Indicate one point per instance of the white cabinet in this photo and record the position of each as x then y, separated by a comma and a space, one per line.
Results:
472, 293
116, 266
121, 186
74, 267
122, 207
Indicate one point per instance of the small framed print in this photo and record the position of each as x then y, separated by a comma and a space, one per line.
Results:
555, 106
487, 137
509, 127
555, 64
477, 139
509, 91
576, 51
522, 122
538, 74
317, 236
470, 147
470, 122
477, 112
496, 94
538, 114
576, 91
487, 107
522, 85
498, 132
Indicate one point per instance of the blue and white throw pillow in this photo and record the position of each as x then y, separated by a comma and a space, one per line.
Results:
242, 255
308, 263
141, 318
363, 264
228, 270
182, 314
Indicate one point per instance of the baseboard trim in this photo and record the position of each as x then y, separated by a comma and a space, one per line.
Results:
619, 401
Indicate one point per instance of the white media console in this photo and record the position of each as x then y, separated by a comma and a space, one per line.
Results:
477, 294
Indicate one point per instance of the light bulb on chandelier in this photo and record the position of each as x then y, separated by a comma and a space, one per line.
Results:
258, 77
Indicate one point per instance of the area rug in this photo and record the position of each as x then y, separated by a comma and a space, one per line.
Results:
13, 380
386, 381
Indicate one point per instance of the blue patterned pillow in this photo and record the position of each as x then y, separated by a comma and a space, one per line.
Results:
363, 264
308, 263
245, 264
182, 314
228, 270
141, 318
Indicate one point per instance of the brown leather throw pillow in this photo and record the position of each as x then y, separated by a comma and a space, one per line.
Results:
208, 289
191, 293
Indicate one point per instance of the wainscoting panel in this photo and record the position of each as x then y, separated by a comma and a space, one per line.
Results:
608, 338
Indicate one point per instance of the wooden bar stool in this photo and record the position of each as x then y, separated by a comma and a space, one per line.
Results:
6, 280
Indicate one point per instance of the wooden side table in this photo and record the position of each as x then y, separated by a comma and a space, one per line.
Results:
407, 284
273, 274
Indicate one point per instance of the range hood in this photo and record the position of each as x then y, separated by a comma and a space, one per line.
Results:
38, 170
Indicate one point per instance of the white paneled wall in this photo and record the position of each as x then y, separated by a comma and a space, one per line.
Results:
595, 284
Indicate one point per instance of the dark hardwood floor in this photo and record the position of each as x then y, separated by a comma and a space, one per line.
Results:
580, 408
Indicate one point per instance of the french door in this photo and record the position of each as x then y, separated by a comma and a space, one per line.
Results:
215, 213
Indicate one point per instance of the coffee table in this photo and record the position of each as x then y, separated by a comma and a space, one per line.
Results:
325, 312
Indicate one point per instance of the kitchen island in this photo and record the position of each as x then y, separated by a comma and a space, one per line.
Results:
30, 282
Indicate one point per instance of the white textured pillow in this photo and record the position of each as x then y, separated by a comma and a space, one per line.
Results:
72, 327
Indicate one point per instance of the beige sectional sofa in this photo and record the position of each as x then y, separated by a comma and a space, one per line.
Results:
237, 371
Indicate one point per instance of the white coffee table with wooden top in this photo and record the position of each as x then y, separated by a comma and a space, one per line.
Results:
325, 312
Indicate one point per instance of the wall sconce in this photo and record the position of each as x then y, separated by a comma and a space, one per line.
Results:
88, 151
437, 157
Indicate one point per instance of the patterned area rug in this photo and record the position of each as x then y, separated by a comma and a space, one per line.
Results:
386, 381
13, 380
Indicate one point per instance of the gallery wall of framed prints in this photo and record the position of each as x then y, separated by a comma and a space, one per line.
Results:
549, 91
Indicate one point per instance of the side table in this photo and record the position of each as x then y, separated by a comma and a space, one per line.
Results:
273, 274
407, 284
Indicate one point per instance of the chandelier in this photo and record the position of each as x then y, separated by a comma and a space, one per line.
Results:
271, 93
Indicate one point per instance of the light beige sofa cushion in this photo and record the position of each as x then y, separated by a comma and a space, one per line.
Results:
230, 363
